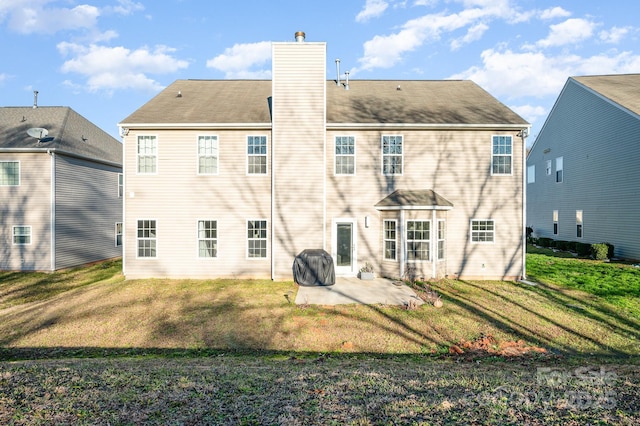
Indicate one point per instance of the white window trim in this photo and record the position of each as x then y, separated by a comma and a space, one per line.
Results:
482, 220
580, 222
19, 171
511, 156
548, 168
138, 239
382, 155
217, 138
335, 155
13, 235
444, 241
385, 239
559, 168
531, 174
198, 241
556, 227
266, 155
157, 155
120, 185
429, 241
121, 233
246, 229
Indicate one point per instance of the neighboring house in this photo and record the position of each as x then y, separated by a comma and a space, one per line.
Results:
234, 178
583, 174
60, 190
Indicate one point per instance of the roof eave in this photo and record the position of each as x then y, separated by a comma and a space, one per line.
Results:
428, 126
193, 126
388, 208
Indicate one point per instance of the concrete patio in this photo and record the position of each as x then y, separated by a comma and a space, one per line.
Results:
349, 290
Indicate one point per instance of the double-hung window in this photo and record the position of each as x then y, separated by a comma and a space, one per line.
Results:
21, 235
441, 239
502, 153
257, 239
207, 155
345, 157
418, 240
482, 231
390, 239
208, 238
147, 154
118, 234
559, 171
579, 223
392, 154
9, 173
548, 167
555, 222
147, 238
257, 155
531, 174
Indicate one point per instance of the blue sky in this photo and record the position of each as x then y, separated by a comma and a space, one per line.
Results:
105, 59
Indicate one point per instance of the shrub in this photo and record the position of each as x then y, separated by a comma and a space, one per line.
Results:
599, 251
583, 249
611, 250
571, 246
562, 245
545, 242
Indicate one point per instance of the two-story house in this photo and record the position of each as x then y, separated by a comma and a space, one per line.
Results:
234, 178
582, 171
61, 189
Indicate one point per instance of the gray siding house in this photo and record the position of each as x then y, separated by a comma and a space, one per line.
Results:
60, 190
235, 178
583, 170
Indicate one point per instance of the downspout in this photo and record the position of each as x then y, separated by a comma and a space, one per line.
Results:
52, 214
124, 203
401, 253
523, 134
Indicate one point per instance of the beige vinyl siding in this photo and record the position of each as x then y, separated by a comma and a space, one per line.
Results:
177, 197
299, 100
87, 208
28, 204
455, 164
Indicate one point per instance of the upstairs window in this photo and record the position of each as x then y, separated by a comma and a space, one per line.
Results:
559, 167
345, 156
548, 167
482, 231
531, 174
257, 155
502, 153
147, 154
207, 155
392, 154
418, 240
390, 239
120, 185
9, 173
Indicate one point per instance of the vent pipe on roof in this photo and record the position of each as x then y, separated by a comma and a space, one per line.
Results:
300, 35
346, 80
337, 72
35, 99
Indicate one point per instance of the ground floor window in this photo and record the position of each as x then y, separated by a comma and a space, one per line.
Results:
390, 239
257, 238
22, 235
555, 222
147, 238
441, 239
579, 223
207, 238
118, 234
418, 240
482, 231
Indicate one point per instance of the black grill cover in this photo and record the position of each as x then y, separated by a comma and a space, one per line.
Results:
313, 267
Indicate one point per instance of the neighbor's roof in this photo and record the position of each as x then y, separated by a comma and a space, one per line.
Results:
457, 102
71, 132
623, 89
414, 199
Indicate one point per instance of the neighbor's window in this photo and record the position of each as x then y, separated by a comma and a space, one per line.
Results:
559, 167
555, 222
21, 235
9, 173
392, 155
418, 236
548, 168
118, 234
207, 155
345, 155
531, 174
257, 238
120, 185
147, 154
441, 239
501, 155
390, 239
207, 238
579, 223
147, 238
482, 231
257, 155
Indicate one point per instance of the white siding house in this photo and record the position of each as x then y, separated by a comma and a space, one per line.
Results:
583, 167
234, 178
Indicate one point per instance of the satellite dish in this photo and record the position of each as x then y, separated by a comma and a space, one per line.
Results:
40, 133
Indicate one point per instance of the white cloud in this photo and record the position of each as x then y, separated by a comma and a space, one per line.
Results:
571, 31
111, 68
555, 12
33, 17
531, 113
125, 7
236, 61
614, 35
474, 33
372, 9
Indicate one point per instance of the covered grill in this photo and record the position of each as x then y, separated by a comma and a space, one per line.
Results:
314, 267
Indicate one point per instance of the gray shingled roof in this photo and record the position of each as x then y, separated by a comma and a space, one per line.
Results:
366, 101
623, 89
425, 198
72, 133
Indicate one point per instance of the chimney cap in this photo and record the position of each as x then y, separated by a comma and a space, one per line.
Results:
300, 35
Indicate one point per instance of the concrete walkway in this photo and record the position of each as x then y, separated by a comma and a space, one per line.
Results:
349, 290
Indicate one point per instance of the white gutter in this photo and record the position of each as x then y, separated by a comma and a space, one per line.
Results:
389, 208
183, 126
424, 126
